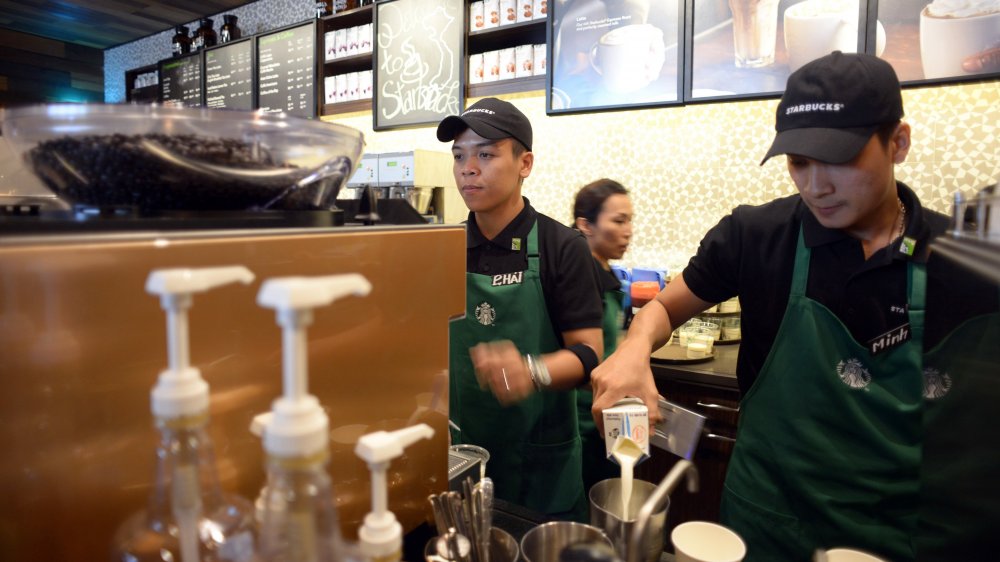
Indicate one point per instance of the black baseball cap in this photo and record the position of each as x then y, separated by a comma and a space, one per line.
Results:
491, 119
833, 105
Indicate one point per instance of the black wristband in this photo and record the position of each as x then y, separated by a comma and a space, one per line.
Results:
587, 356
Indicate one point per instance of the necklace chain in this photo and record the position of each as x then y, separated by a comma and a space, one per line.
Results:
902, 217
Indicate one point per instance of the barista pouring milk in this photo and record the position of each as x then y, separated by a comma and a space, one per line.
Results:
532, 326
831, 283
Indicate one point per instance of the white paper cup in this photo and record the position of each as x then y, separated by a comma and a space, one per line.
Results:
701, 541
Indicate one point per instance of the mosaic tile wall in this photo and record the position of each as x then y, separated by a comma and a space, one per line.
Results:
687, 167
252, 18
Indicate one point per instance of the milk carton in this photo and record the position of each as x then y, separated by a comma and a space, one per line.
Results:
628, 418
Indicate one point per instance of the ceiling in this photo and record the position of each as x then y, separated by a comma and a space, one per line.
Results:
104, 23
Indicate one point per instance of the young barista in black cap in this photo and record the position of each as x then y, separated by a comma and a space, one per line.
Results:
532, 330
832, 287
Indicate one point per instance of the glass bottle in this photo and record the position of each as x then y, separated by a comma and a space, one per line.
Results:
180, 44
229, 31
300, 518
188, 517
204, 36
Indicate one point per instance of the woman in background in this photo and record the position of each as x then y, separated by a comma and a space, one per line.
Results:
602, 212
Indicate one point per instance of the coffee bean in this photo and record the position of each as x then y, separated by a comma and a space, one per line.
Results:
155, 172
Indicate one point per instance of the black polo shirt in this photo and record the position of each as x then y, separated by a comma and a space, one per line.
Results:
567, 269
751, 252
607, 279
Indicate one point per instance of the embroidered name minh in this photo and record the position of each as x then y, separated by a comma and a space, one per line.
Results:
805, 107
479, 110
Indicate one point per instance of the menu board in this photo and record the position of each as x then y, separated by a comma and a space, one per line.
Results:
286, 70
229, 76
418, 60
615, 54
180, 81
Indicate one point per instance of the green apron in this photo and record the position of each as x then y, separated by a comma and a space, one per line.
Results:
534, 445
828, 447
596, 466
960, 503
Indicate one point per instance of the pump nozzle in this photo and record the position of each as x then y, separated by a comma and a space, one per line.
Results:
180, 390
298, 425
381, 535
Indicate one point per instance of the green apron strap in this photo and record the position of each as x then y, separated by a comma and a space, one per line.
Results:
800, 273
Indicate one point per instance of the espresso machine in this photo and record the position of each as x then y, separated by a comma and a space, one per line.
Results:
421, 177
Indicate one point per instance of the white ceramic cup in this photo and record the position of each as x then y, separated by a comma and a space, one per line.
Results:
629, 57
850, 555
701, 541
945, 42
815, 28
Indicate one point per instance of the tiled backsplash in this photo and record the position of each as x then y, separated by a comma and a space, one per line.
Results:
687, 167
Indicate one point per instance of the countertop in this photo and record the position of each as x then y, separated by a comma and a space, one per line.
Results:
720, 371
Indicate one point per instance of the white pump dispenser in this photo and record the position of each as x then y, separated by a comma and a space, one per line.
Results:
298, 519
381, 535
298, 426
180, 390
186, 495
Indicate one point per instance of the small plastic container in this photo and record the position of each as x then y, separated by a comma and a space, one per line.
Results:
697, 350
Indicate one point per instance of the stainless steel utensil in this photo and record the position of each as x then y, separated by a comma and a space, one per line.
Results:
680, 430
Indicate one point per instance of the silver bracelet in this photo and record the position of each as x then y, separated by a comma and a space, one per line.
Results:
530, 362
538, 371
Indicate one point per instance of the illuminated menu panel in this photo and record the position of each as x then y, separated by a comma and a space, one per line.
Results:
180, 81
286, 71
229, 76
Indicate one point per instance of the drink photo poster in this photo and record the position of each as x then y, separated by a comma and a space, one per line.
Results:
614, 54
941, 40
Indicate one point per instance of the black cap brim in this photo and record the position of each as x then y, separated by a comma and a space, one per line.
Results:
833, 146
452, 126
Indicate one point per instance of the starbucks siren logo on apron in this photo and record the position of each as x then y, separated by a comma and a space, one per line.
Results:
486, 314
936, 383
853, 373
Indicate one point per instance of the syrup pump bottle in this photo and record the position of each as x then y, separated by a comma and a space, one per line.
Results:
188, 518
381, 535
299, 520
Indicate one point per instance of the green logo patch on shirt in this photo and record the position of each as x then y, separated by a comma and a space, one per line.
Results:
908, 245
515, 244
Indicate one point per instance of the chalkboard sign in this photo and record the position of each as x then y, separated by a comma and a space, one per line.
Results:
286, 70
180, 81
418, 61
229, 76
